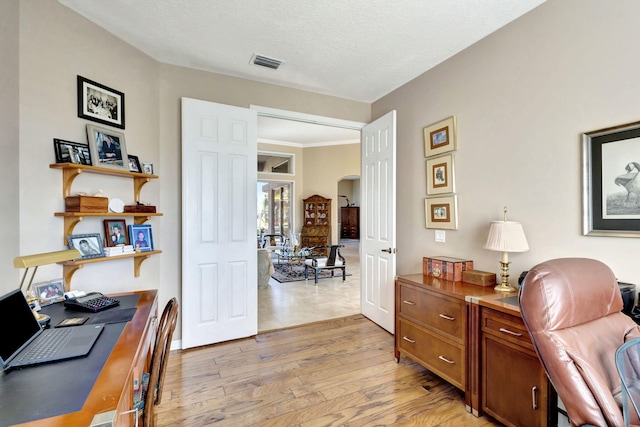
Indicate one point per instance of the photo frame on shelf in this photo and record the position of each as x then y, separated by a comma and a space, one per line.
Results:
71, 152
141, 237
99, 103
440, 175
147, 168
134, 164
89, 245
50, 291
115, 231
440, 138
108, 148
441, 212
611, 181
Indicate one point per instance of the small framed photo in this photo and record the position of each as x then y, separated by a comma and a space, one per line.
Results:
440, 138
611, 181
71, 152
100, 103
147, 168
134, 164
89, 245
107, 147
440, 176
141, 237
441, 212
50, 292
116, 232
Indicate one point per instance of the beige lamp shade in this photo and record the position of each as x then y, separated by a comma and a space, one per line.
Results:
506, 236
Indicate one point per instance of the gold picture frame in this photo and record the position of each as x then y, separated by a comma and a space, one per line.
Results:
440, 138
441, 212
440, 175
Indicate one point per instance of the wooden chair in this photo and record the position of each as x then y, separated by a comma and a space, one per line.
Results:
159, 361
318, 261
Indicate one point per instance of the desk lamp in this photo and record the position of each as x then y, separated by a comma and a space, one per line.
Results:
506, 236
28, 261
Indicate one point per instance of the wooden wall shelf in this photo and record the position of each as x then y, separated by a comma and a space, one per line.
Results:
71, 170
71, 219
70, 267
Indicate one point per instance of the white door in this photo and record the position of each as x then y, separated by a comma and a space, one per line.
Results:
378, 225
219, 257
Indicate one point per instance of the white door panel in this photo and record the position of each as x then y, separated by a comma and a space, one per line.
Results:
378, 242
219, 257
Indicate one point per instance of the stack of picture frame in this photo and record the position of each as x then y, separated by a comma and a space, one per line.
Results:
440, 142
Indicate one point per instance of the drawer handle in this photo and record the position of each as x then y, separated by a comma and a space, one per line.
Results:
444, 359
506, 331
408, 302
408, 339
534, 389
444, 316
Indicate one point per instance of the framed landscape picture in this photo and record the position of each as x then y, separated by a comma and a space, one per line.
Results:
441, 212
440, 138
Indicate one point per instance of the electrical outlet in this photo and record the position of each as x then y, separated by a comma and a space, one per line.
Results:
440, 236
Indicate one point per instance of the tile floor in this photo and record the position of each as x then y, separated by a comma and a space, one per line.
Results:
282, 305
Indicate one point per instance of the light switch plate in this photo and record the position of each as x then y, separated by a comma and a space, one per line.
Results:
440, 236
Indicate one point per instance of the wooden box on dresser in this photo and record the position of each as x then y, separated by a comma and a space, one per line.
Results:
431, 326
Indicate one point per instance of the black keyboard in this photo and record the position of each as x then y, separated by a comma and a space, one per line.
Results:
44, 347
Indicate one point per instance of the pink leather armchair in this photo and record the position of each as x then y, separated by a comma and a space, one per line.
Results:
572, 310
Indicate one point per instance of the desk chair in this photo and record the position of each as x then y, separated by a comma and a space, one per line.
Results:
318, 261
628, 365
159, 360
572, 308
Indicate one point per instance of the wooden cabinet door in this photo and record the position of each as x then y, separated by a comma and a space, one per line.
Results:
515, 388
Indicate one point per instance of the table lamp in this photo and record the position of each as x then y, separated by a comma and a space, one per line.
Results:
506, 236
36, 260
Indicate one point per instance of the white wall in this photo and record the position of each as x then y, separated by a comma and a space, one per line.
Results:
522, 98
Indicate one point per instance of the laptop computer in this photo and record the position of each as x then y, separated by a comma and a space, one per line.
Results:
22, 339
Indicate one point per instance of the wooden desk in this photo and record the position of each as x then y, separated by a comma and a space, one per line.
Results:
111, 396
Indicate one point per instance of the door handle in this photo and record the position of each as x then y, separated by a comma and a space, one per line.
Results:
391, 251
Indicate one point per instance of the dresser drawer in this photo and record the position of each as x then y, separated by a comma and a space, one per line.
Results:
442, 357
506, 327
444, 315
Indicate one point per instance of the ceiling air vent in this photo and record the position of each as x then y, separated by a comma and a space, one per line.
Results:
265, 61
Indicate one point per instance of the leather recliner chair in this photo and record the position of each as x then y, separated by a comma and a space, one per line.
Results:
572, 310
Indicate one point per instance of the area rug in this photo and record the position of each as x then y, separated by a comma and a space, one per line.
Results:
283, 275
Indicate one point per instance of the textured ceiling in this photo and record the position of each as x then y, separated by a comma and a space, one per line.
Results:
353, 49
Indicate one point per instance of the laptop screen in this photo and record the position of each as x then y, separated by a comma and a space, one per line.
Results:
17, 323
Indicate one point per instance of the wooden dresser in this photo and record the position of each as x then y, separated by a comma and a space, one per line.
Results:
350, 222
431, 325
474, 338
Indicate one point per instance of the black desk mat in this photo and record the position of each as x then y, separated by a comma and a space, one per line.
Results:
47, 390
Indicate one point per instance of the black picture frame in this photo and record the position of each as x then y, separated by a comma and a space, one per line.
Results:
71, 152
99, 103
611, 162
134, 164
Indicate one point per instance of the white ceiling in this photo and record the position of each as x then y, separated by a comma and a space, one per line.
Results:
354, 49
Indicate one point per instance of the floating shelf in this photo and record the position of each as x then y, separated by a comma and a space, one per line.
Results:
71, 219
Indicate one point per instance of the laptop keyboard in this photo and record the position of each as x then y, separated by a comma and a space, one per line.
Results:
45, 346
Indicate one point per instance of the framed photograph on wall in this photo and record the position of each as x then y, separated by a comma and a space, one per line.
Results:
141, 237
441, 212
440, 138
440, 176
100, 103
108, 148
71, 152
89, 245
115, 231
611, 181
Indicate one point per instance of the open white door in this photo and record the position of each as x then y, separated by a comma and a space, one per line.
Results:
219, 257
378, 220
